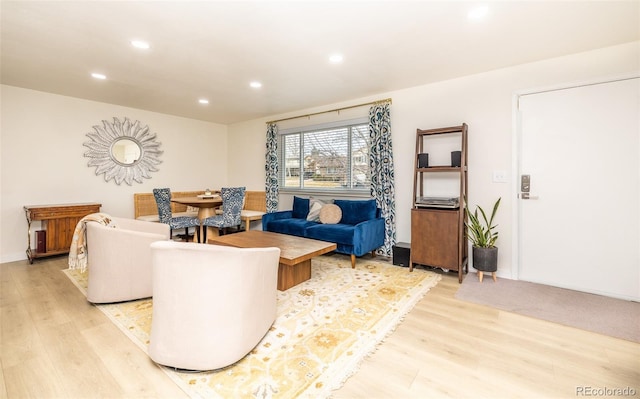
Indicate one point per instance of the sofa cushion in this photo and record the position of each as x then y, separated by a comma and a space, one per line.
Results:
291, 226
354, 212
338, 233
300, 207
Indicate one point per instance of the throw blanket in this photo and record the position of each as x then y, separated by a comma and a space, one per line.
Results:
78, 249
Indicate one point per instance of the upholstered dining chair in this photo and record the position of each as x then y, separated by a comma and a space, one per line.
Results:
163, 200
232, 202
212, 304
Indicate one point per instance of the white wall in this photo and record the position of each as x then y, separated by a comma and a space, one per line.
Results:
42, 135
43, 158
482, 101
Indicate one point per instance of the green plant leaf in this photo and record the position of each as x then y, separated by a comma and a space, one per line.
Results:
481, 231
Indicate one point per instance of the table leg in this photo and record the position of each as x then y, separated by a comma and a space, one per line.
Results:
289, 276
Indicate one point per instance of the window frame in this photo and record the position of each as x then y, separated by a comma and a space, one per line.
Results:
364, 192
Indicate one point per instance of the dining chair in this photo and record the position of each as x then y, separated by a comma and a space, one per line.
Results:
232, 201
163, 200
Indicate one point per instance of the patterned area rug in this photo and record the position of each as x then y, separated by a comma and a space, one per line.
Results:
324, 329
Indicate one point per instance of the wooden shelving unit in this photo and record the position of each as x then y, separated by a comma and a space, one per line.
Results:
438, 236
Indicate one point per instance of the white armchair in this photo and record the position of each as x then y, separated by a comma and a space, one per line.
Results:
119, 259
211, 304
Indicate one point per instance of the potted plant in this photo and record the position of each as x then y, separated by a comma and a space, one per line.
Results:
482, 234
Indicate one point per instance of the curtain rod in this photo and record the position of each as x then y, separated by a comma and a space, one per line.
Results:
386, 100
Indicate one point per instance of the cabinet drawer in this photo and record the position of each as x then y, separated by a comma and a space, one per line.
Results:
55, 212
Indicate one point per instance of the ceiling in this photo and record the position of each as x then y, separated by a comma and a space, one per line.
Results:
213, 49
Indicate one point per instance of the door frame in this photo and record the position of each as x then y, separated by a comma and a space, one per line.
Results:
516, 123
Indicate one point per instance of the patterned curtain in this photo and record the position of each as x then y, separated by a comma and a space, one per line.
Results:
382, 174
271, 168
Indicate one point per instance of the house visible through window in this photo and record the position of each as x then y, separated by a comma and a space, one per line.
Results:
327, 158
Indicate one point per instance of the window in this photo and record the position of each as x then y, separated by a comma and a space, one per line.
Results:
325, 158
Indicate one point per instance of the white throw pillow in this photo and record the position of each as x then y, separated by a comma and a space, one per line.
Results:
314, 209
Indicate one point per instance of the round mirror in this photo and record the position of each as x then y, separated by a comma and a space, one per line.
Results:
125, 151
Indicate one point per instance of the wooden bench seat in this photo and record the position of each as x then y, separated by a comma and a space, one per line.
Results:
255, 205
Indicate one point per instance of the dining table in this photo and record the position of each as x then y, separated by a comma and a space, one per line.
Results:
206, 205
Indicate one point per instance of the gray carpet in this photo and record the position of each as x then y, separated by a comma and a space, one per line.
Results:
604, 315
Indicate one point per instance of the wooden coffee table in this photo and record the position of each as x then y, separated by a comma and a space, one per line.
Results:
295, 252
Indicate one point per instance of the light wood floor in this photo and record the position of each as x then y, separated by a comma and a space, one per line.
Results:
53, 344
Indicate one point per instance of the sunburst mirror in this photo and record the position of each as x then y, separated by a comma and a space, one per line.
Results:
124, 151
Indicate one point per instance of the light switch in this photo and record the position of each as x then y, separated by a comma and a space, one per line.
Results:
499, 176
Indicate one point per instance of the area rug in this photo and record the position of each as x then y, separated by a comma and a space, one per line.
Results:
604, 315
324, 329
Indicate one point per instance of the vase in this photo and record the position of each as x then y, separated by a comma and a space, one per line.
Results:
485, 259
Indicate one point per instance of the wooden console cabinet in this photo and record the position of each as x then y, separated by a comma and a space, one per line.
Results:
59, 222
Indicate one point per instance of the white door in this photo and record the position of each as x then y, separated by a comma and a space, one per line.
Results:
580, 228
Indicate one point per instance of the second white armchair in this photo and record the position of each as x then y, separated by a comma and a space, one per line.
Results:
211, 304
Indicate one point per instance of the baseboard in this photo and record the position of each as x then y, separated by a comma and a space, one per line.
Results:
14, 257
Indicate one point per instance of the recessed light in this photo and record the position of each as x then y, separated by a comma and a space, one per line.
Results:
203, 101
99, 76
478, 12
336, 58
140, 44
255, 85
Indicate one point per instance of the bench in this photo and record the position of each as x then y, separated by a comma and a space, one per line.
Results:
255, 205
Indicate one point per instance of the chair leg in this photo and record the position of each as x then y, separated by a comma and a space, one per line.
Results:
198, 234
353, 261
204, 234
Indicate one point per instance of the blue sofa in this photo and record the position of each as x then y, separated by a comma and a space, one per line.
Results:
359, 231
